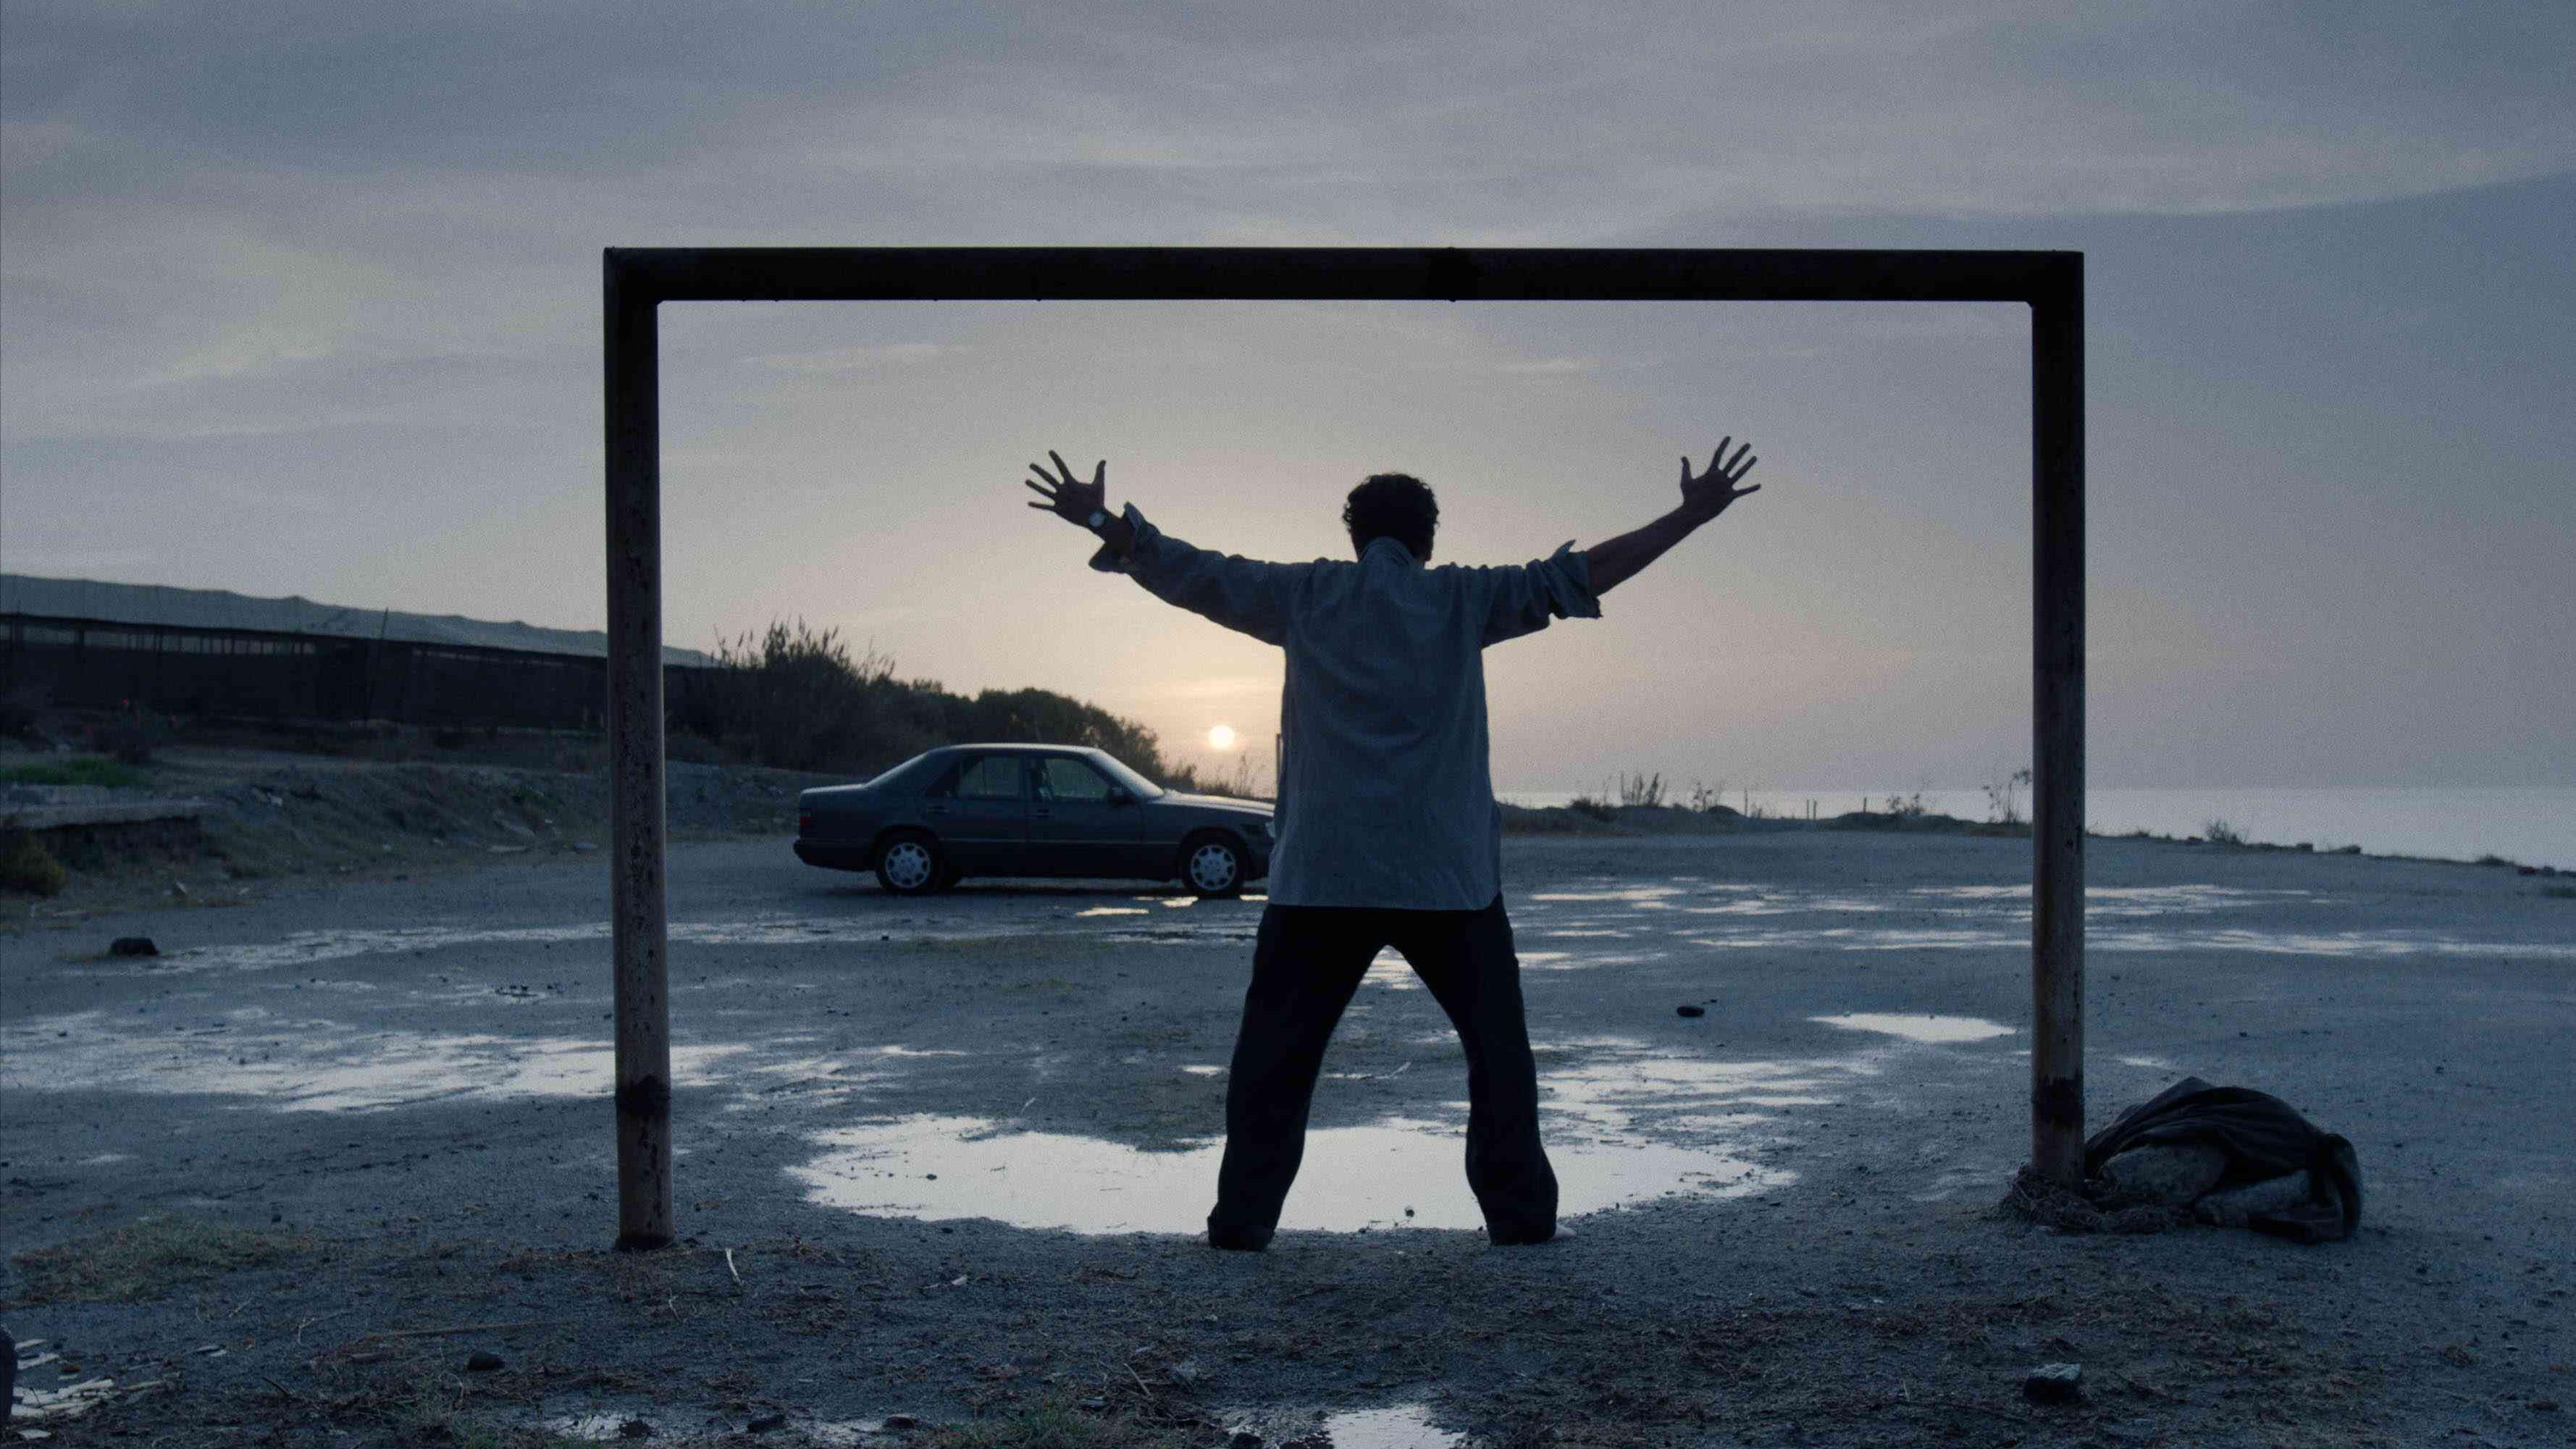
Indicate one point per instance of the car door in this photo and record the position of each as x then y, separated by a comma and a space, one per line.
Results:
1079, 823
981, 814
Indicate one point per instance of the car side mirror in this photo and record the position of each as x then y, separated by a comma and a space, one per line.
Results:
1118, 796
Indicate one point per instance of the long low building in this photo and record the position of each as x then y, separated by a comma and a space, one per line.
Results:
87, 644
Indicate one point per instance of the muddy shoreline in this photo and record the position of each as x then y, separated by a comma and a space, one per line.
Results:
389, 1094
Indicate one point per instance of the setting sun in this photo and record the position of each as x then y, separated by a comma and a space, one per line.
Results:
1221, 738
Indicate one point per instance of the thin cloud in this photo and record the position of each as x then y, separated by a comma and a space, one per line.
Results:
856, 359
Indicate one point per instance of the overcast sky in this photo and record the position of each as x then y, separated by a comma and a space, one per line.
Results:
304, 299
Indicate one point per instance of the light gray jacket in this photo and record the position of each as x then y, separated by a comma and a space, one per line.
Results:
1386, 791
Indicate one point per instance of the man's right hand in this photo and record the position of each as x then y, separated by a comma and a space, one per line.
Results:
1066, 496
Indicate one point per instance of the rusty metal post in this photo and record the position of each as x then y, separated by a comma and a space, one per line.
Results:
2057, 726
638, 933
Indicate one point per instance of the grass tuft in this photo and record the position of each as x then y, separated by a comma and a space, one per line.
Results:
147, 1258
27, 867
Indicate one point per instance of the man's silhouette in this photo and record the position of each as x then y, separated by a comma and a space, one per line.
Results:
1388, 834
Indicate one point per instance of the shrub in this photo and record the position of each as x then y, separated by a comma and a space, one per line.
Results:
21, 708
1601, 810
1641, 789
132, 737
2003, 803
27, 867
78, 770
2219, 832
797, 699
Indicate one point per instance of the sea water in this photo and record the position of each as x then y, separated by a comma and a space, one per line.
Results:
2534, 825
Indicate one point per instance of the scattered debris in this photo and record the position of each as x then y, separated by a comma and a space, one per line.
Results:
2035, 1199
73, 1400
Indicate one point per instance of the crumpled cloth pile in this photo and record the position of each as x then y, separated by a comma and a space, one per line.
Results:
2233, 1157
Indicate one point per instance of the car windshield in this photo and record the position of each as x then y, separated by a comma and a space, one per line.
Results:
1137, 785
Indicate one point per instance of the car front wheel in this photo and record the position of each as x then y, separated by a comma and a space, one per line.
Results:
1212, 865
909, 865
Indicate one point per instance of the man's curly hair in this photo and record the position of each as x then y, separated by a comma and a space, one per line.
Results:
1392, 505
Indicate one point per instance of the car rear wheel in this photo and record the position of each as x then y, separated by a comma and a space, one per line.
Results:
1212, 865
910, 865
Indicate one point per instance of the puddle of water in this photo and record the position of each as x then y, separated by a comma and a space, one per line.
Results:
842, 1433
311, 947
605, 1427
1390, 970
315, 1066
1624, 1123
1981, 917
1401, 1172
1647, 895
1405, 1426
1934, 1029
1697, 913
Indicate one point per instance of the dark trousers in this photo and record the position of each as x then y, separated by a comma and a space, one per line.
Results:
1307, 964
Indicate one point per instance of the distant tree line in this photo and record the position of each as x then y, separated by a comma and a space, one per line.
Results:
796, 698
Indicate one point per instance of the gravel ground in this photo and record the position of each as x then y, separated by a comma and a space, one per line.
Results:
340, 1138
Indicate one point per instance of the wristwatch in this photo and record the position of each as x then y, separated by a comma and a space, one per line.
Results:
1098, 518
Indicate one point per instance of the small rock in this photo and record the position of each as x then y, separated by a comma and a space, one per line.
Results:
901, 1421
1244, 1439
2167, 1174
634, 1429
764, 1423
2054, 1383
482, 1361
1690, 1011
133, 946
2237, 1206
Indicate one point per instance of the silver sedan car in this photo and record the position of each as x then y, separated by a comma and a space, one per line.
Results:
1030, 810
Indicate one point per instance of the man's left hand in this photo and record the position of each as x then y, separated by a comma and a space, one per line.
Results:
1706, 496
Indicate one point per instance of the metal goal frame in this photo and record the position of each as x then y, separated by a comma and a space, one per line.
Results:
637, 280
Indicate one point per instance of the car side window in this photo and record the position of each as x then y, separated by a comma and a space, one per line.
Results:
990, 777
1063, 779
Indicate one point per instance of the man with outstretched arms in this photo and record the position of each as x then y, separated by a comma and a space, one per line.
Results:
1388, 833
